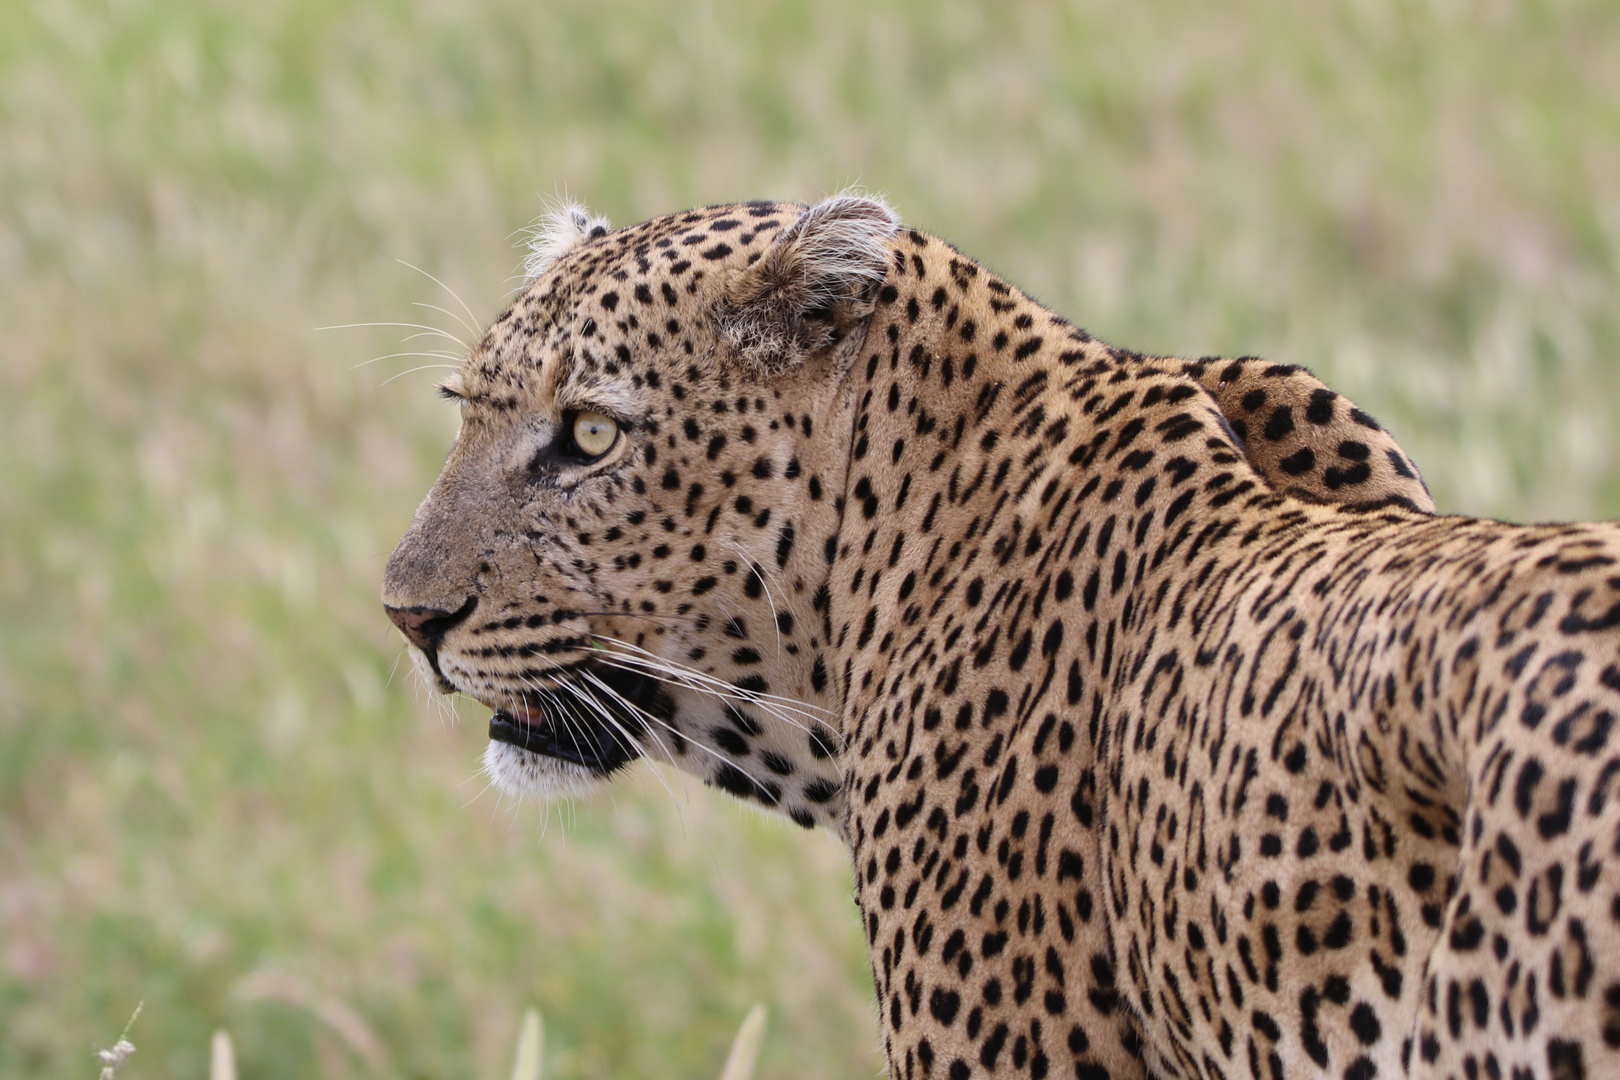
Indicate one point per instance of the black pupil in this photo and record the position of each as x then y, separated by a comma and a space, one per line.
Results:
587, 429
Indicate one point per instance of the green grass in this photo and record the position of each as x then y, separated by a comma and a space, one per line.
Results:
218, 795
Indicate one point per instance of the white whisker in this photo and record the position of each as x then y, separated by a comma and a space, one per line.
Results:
427, 330
394, 668
638, 654
489, 782
599, 684
770, 598
723, 758
607, 713
396, 355
470, 328
562, 721
446, 311
722, 692
412, 371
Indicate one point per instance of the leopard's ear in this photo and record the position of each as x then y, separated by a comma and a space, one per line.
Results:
814, 283
562, 226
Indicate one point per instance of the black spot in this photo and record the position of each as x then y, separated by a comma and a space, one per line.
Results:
822, 790
1320, 410
1564, 1061
1281, 422
729, 741
1361, 1069
1302, 460
775, 762
784, 544
731, 779
1354, 451
1364, 1022
1027, 349
822, 744
1336, 478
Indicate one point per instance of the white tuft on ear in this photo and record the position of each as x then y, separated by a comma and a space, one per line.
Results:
818, 277
558, 230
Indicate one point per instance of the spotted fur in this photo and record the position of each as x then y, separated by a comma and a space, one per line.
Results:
1170, 734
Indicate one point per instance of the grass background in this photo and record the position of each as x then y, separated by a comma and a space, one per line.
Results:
218, 794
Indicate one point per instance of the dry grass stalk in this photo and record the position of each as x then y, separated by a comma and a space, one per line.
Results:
113, 1058
745, 1048
530, 1041
221, 1058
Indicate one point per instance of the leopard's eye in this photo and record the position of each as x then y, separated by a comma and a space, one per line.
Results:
594, 433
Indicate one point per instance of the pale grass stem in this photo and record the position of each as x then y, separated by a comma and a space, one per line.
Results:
745, 1048
530, 1041
527, 1065
221, 1057
113, 1058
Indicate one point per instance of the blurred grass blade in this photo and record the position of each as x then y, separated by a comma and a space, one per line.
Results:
530, 1040
221, 1058
744, 1051
113, 1058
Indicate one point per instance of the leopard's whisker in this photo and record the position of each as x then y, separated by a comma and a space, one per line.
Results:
711, 689
470, 326
397, 355
427, 331
764, 582
607, 714
723, 758
752, 695
559, 715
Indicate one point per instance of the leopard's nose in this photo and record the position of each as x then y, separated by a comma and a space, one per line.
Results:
425, 627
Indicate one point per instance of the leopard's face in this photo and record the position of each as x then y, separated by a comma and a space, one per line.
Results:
625, 554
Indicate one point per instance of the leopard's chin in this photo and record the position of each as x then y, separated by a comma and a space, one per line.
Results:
526, 774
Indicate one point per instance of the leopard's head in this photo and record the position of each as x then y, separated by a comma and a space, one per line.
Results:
626, 554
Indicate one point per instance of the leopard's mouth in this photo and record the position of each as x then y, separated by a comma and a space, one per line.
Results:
601, 718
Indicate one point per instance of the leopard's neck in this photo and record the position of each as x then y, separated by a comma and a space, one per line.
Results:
1027, 509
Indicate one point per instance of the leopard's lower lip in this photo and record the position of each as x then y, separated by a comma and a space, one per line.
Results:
603, 736
506, 728
599, 750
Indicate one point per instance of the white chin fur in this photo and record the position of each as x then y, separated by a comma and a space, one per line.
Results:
525, 774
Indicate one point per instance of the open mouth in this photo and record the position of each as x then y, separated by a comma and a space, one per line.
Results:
602, 723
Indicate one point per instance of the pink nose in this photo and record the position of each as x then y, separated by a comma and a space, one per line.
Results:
425, 627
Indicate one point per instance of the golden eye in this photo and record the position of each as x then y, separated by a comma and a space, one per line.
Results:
594, 433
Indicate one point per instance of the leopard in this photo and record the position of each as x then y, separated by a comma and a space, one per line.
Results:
1170, 729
